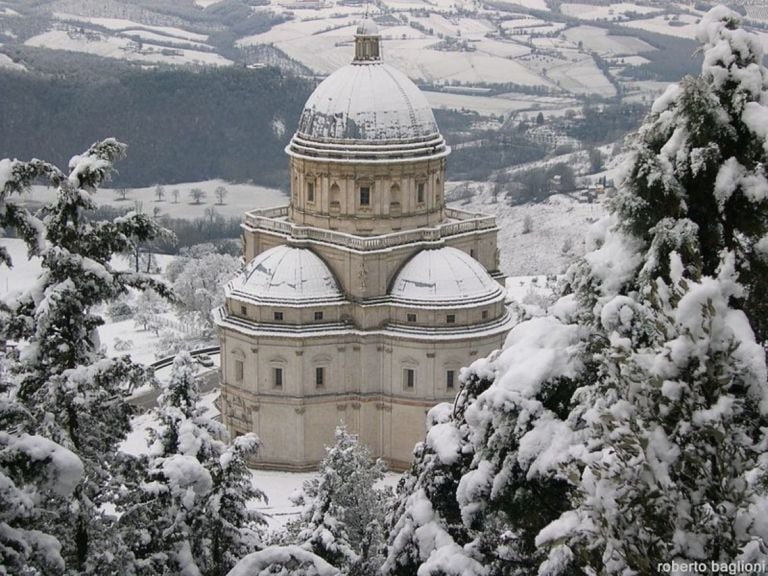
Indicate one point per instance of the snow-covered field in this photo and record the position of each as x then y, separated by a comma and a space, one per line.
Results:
123, 48
239, 198
7, 62
685, 27
559, 226
123, 24
278, 486
501, 104
614, 11
601, 42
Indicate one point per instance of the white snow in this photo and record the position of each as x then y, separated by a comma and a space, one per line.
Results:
667, 99
444, 439
558, 222
370, 101
600, 41
240, 197
7, 62
616, 260
755, 116
64, 468
685, 26
443, 276
123, 24
613, 11
110, 46
25, 270
262, 563
286, 273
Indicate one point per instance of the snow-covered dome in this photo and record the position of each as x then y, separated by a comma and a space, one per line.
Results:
286, 274
367, 111
445, 276
367, 27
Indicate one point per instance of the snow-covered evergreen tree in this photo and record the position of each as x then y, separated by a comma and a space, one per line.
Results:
73, 395
697, 167
343, 519
626, 427
676, 417
33, 472
427, 511
283, 561
190, 514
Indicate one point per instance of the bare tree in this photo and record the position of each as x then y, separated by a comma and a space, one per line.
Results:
122, 193
159, 193
527, 224
221, 193
211, 215
175, 196
197, 194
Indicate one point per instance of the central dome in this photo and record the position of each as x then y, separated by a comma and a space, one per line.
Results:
367, 111
373, 102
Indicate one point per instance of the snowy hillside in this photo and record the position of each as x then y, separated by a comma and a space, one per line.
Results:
523, 43
558, 229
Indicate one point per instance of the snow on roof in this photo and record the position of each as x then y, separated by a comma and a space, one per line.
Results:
367, 27
286, 274
444, 276
367, 111
338, 330
367, 101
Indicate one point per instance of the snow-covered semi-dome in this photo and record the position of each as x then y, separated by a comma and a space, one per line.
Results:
285, 274
445, 276
367, 111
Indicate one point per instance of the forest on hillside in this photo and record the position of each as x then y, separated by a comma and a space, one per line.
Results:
181, 124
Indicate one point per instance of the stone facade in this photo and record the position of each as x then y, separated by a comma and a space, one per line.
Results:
364, 297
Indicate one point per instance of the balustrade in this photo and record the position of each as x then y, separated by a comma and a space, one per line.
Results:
274, 220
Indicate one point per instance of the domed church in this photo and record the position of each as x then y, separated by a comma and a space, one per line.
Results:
363, 297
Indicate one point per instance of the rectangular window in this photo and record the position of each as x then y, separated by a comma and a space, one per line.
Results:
239, 370
450, 379
365, 195
310, 191
278, 316
420, 192
319, 377
409, 378
411, 317
318, 316
450, 318
243, 311
485, 314
277, 377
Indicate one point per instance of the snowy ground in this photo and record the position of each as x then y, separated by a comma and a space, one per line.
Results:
605, 44
123, 48
278, 486
614, 11
559, 226
239, 198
